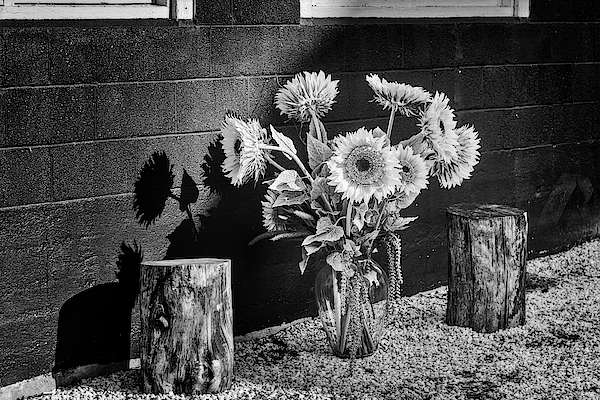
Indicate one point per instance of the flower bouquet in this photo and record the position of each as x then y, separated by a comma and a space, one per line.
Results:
350, 193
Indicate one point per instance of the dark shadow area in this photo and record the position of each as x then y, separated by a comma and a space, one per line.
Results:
94, 326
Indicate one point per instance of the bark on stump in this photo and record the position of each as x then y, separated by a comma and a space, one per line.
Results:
487, 252
186, 326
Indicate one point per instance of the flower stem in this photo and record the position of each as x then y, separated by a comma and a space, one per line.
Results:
315, 120
391, 123
337, 304
293, 157
273, 162
378, 223
302, 168
349, 210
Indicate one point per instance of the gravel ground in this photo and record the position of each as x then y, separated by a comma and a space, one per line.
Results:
556, 355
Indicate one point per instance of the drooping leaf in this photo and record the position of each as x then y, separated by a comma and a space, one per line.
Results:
340, 262
289, 235
398, 223
189, 191
326, 232
312, 128
283, 142
318, 152
303, 215
288, 180
287, 198
304, 262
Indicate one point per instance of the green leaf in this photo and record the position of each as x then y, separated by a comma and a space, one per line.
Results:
283, 142
287, 198
339, 262
318, 152
326, 232
312, 129
302, 264
398, 223
288, 180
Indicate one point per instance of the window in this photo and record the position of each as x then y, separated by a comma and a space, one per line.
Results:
97, 9
314, 9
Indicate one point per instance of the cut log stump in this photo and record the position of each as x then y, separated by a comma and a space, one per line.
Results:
487, 252
186, 326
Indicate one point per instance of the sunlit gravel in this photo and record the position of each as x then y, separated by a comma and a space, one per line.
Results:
556, 355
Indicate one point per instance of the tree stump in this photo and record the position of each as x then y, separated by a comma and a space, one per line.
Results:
186, 326
487, 252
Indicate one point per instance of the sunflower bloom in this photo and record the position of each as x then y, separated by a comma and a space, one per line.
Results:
232, 147
398, 97
453, 173
363, 167
307, 95
413, 170
244, 157
437, 127
271, 220
253, 158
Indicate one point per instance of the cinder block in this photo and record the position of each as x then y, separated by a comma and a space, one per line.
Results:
493, 180
2, 61
247, 12
150, 53
28, 347
48, 115
261, 97
73, 57
353, 101
239, 50
545, 84
484, 44
24, 288
201, 105
112, 167
505, 86
585, 79
25, 176
547, 43
92, 169
361, 53
311, 48
26, 56
127, 110
430, 45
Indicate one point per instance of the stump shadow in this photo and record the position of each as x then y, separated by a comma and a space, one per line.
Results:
94, 326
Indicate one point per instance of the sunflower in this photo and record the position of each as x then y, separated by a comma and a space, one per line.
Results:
306, 95
362, 167
399, 97
413, 170
271, 220
253, 158
232, 147
244, 157
437, 128
453, 172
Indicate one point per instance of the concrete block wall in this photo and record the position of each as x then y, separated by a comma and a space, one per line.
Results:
84, 106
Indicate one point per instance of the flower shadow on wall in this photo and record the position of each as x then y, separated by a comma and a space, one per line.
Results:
94, 326
263, 274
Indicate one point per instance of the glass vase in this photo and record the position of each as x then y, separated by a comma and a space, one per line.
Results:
353, 309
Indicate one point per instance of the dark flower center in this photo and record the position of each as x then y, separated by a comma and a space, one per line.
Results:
237, 146
365, 165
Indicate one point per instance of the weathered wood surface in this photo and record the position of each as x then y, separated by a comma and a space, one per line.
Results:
186, 326
487, 253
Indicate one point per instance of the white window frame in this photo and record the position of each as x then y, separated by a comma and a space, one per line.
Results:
329, 9
96, 9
